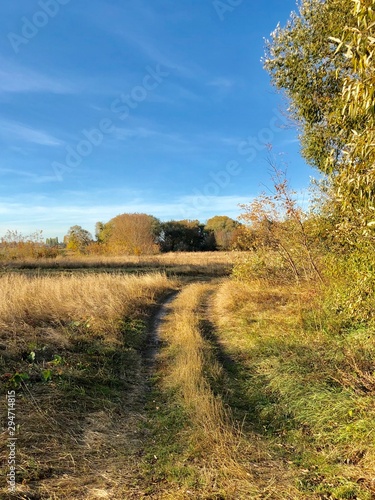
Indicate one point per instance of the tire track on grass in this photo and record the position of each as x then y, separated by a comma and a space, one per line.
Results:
207, 453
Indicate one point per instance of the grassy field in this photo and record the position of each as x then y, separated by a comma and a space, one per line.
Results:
246, 395
175, 263
73, 349
309, 392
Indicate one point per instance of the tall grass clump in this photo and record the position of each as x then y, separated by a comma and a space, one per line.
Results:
98, 301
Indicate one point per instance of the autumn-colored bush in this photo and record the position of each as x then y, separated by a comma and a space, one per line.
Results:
15, 246
279, 234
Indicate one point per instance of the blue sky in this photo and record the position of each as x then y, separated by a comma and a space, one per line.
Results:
148, 106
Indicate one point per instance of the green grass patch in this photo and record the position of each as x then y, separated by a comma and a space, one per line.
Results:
169, 457
307, 392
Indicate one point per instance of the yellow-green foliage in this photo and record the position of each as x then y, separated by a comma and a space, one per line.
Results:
263, 264
350, 295
354, 183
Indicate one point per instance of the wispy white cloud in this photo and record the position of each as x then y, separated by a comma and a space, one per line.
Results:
222, 83
219, 139
15, 78
11, 130
15, 172
123, 133
32, 177
151, 51
166, 140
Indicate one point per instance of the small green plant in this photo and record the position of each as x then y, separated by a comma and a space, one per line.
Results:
80, 325
31, 357
17, 379
57, 360
46, 375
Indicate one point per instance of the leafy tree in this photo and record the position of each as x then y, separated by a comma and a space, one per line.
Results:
224, 229
102, 232
302, 60
52, 242
131, 233
354, 185
77, 239
185, 236
324, 60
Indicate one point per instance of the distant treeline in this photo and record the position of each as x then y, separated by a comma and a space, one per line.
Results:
137, 234
131, 234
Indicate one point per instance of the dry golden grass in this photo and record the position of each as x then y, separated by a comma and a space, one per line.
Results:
79, 340
264, 304
191, 357
99, 300
201, 259
227, 464
254, 399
